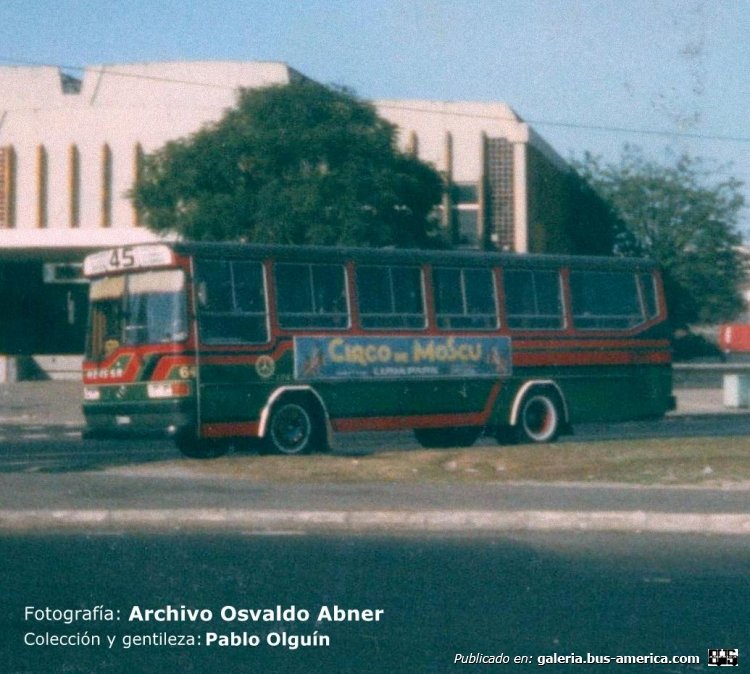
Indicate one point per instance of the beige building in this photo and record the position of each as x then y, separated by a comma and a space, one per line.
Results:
508, 189
70, 151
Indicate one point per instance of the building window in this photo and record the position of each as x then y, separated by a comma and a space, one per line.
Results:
106, 186
500, 192
7, 187
466, 213
42, 166
138, 157
74, 178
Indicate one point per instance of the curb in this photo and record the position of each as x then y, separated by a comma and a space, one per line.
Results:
384, 522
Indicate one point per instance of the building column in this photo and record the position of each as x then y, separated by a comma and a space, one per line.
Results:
448, 217
138, 158
7, 187
74, 186
412, 147
8, 369
41, 186
520, 199
483, 213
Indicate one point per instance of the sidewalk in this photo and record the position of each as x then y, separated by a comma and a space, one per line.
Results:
46, 403
691, 401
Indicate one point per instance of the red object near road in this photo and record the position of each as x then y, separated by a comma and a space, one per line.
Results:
735, 338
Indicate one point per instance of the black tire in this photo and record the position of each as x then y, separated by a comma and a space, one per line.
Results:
201, 448
540, 418
440, 438
292, 429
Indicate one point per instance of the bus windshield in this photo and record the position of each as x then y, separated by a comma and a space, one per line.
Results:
136, 309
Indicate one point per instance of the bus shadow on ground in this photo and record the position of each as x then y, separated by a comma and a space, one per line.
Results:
684, 426
671, 427
57, 451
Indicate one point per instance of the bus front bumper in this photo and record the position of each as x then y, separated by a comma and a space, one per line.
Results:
162, 419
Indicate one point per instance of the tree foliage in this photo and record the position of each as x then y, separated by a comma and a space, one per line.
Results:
295, 164
681, 216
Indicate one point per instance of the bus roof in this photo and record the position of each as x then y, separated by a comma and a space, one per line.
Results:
158, 255
405, 255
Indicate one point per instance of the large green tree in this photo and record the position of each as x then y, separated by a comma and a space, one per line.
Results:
685, 216
295, 164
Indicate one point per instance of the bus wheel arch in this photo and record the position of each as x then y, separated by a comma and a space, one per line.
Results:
295, 421
539, 412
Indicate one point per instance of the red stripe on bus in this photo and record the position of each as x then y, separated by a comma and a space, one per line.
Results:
532, 344
129, 372
230, 429
399, 422
591, 358
245, 358
167, 363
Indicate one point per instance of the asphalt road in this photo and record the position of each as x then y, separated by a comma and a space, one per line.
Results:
58, 447
49, 468
529, 597
50, 477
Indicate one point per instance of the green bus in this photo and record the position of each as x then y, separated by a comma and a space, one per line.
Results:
217, 344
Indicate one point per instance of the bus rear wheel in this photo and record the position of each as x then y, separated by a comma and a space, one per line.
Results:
292, 429
436, 438
539, 419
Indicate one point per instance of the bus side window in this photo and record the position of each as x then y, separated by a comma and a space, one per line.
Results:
311, 295
648, 292
533, 299
390, 297
232, 306
605, 300
464, 298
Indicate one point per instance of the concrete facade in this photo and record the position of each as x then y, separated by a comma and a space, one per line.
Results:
70, 151
71, 156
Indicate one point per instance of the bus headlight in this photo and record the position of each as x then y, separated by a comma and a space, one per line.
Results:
91, 393
169, 389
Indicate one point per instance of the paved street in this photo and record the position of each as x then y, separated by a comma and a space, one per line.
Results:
527, 596
148, 537
51, 478
41, 426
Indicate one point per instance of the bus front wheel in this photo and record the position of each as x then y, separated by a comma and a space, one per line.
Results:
539, 418
291, 429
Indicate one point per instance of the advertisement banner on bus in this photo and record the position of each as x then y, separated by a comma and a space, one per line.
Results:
356, 357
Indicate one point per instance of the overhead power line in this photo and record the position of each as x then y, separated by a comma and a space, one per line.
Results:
410, 108
104, 70
573, 125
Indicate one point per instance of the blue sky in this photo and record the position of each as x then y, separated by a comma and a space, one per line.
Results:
573, 68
